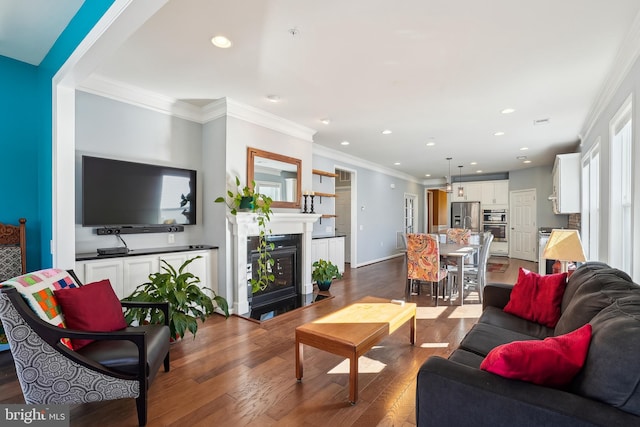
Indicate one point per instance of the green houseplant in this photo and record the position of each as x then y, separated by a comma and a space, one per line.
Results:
246, 198
323, 274
188, 302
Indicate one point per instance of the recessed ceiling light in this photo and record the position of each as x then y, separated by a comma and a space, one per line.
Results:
479, 171
273, 98
524, 148
527, 161
473, 163
325, 121
397, 163
507, 111
344, 143
499, 133
427, 175
386, 132
430, 144
221, 42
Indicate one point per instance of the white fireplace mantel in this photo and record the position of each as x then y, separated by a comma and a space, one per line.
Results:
244, 225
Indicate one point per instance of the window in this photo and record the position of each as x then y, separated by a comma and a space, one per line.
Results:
620, 224
410, 213
591, 201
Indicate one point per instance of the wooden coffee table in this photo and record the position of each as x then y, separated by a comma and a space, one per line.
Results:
354, 330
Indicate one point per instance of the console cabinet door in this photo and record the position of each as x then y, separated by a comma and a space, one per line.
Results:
111, 269
137, 271
336, 252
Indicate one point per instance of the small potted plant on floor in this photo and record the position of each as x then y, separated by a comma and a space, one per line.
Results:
323, 274
188, 302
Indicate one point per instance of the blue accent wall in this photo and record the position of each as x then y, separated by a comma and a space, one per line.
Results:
26, 141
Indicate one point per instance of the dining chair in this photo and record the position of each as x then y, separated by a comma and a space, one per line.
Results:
475, 276
460, 236
423, 263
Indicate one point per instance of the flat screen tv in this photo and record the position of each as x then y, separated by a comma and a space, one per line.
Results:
120, 193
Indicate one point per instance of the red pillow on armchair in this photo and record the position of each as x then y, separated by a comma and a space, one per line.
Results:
92, 307
537, 298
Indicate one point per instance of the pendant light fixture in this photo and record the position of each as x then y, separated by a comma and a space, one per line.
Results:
460, 188
449, 187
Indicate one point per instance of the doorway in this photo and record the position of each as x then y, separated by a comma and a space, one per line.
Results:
523, 225
344, 210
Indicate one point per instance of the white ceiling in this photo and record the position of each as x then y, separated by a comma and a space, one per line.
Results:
429, 70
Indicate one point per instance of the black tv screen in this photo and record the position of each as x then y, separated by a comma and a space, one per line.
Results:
120, 193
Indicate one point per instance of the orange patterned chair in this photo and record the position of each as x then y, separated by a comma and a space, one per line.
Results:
423, 262
459, 236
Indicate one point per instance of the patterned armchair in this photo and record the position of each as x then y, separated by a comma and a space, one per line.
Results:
115, 365
423, 262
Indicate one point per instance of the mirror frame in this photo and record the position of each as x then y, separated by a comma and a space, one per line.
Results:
252, 153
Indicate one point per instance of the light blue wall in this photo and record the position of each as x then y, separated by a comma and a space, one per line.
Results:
629, 86
117, 130
26, 134
539, 178
380, 213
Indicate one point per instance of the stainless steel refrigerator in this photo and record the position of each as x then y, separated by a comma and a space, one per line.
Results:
466, 215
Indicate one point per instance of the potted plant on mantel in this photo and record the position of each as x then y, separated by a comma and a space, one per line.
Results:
188, 302
323, 274
247, 199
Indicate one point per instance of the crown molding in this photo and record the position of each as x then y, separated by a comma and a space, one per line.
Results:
102, 86
339, 156
256, 116
133, 95
625, 59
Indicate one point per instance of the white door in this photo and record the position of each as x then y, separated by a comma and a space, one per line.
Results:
522, 223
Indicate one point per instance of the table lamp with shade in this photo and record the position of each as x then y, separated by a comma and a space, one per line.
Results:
564, 246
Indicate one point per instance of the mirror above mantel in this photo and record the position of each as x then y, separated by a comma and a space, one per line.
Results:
276, 176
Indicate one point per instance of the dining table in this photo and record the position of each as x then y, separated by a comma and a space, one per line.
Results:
459, 252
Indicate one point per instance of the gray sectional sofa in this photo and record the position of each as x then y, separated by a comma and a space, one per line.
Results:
606, 392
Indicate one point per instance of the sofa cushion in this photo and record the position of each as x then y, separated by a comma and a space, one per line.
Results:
598, 289
497, 317
537, 298
611, 373
483, 338
92, 307
466, 358
578, 277
552, 362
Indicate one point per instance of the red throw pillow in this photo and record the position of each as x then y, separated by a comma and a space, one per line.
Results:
551, 362
92, 307
537, 298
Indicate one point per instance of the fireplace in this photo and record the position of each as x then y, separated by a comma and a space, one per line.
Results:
244, 225
286, 254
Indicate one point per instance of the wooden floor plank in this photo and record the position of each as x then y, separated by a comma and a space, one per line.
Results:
241, 373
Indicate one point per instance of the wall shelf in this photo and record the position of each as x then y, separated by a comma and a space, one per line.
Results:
324, 173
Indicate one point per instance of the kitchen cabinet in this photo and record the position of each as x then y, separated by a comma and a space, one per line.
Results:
127, 272
495, 194
330, 249
565, 198
472, 192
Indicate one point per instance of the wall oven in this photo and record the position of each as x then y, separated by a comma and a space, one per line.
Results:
495, 222
499, 231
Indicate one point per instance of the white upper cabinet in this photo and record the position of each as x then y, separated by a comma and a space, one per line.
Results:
495, 193
472, 192
566, 184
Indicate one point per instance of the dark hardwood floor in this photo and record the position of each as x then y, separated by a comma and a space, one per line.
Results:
241, 373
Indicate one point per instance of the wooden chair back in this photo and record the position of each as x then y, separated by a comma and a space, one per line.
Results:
14, 236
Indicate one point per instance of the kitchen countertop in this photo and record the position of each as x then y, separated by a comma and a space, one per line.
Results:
329, 236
